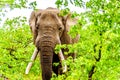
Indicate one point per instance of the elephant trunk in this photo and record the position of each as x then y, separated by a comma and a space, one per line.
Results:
46, 47
46, 57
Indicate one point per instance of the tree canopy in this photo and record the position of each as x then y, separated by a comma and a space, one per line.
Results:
98, 50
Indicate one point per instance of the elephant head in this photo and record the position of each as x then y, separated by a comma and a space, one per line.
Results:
49, 29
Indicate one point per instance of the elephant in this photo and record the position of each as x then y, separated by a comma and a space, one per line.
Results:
49, 29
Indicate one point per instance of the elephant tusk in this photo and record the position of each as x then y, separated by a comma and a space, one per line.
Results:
61, 57
34, 55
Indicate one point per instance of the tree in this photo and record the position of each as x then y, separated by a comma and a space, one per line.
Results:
16, 45
98, 49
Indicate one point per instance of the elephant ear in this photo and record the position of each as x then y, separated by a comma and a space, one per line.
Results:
32, 23
68, 22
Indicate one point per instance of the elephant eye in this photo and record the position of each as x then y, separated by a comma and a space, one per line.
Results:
60, 28
37, 26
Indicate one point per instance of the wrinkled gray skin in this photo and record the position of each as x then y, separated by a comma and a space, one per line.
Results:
49, 29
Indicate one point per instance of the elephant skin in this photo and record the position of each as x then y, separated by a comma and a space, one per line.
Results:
49, 29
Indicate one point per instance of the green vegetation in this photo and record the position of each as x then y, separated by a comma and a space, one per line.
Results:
98, 50
16, 48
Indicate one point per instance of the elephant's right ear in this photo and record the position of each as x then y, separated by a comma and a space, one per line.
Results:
32, 23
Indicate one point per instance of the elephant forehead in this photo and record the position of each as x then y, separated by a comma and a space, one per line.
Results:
50, 19
48, 16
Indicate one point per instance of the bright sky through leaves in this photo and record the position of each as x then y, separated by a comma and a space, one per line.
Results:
41, 4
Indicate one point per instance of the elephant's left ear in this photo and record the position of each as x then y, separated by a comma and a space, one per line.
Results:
33, 19
32, 23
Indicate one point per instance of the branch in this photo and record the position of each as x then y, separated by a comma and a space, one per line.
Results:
91, 72
97, 60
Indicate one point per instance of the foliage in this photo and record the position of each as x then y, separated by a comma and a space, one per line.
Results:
5, 2
98, 51
16, 45
18, 4
65, 3
16, 48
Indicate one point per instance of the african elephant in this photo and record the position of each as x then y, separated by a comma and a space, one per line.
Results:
49, 29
